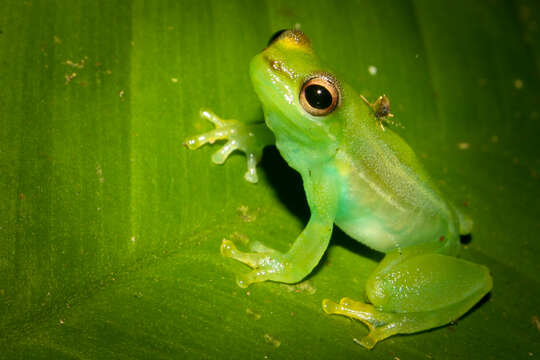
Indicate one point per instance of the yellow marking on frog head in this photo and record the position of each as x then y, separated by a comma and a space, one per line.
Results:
292, 39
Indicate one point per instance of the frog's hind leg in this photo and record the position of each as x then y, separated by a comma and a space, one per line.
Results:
414, 294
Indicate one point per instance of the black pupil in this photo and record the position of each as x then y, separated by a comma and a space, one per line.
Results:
318, 97
275, 36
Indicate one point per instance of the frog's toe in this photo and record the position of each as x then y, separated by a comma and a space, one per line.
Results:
367, 341
195, 142
222, 154
251, 173
259, 247
255, 276
353, 309
228, 249
329, 306
213, 118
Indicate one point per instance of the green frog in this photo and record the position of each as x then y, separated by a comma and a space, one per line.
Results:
360, 176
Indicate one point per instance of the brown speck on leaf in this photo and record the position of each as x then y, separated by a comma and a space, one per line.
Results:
271, 340
244, 239
536, 322
253, 314
78, 65
70, 77
243, 210
441, 239
57, 40
303, 287
21, 196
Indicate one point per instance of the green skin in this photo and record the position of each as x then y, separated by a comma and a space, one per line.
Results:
367, 181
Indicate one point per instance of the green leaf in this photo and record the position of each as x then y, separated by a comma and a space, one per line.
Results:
110, 230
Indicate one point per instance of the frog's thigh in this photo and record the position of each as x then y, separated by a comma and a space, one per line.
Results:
440, 287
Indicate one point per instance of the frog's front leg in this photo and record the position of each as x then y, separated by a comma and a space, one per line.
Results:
250, 138
307, 250
411, 292
289, 267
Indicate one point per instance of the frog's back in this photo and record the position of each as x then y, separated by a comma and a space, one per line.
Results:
388, 199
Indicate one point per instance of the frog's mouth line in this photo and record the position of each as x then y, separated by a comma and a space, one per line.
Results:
279, 67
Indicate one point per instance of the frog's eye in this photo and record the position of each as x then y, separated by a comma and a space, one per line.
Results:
319, 96
275, 36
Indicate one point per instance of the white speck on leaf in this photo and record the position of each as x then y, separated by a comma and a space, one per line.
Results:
372, 70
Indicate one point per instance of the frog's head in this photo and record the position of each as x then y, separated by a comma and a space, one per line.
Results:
300, 98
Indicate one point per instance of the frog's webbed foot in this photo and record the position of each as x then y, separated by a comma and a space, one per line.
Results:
381, 325
249, 138
267, 263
